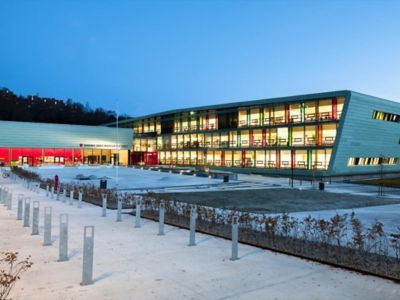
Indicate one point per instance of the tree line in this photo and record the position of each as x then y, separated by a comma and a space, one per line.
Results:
51, 110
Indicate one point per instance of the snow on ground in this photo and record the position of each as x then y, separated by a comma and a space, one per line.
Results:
388, 215
333, 187
135, 263
128, 178
132, 178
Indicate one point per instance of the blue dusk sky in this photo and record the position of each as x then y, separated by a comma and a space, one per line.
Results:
151, 56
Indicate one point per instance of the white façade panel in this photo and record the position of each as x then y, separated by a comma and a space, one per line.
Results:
363, 136
46, 135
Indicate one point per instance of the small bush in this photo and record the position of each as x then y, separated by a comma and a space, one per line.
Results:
10, 271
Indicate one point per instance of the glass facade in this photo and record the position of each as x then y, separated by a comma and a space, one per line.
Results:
293, 135
61, 156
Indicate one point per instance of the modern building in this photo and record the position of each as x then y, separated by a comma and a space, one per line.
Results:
324, 134
42, 143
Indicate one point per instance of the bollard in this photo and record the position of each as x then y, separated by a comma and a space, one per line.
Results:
20, 206
3, 195
47, 190
161, 219
64, 198
88, 245
58, 194
47, 226
35, 218
192, 237
104, 210
235, 238
80, 199
9, 201
63, 246
52, 193
119, 210
138, 210
71, 198
27, 211
5, 198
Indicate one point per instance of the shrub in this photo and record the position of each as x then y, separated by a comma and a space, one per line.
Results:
10, 271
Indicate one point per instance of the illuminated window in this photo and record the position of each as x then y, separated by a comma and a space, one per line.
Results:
372, 161
384, 116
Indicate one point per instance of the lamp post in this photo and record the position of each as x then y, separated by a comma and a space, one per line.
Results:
292, 167
380, 191
117, 150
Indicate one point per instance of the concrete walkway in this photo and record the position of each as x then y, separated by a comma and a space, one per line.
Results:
135, 263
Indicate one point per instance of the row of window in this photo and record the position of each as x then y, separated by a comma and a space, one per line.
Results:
384, 116
38, 156
372, 161
296, 136
274, 114
270, 159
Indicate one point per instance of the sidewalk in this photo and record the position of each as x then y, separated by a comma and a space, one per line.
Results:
135, 263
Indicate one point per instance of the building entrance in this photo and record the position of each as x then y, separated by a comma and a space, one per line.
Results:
27, 160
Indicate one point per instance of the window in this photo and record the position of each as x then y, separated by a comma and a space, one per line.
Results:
298, 136
255, 116
243, 118
325, 109
384, 116
295, 113
372, 161
283, 135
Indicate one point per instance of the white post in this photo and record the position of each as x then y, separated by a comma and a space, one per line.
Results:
9, 201
235, 238
119, 210
1, 194
35, 218
161, 216
104, 210
71, 197
47, 226
27, 211
63, 246
192, 237
80, 195
88, 245
137, 216
20, 207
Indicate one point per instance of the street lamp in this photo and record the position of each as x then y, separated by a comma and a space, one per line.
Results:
117, 149
380, 190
